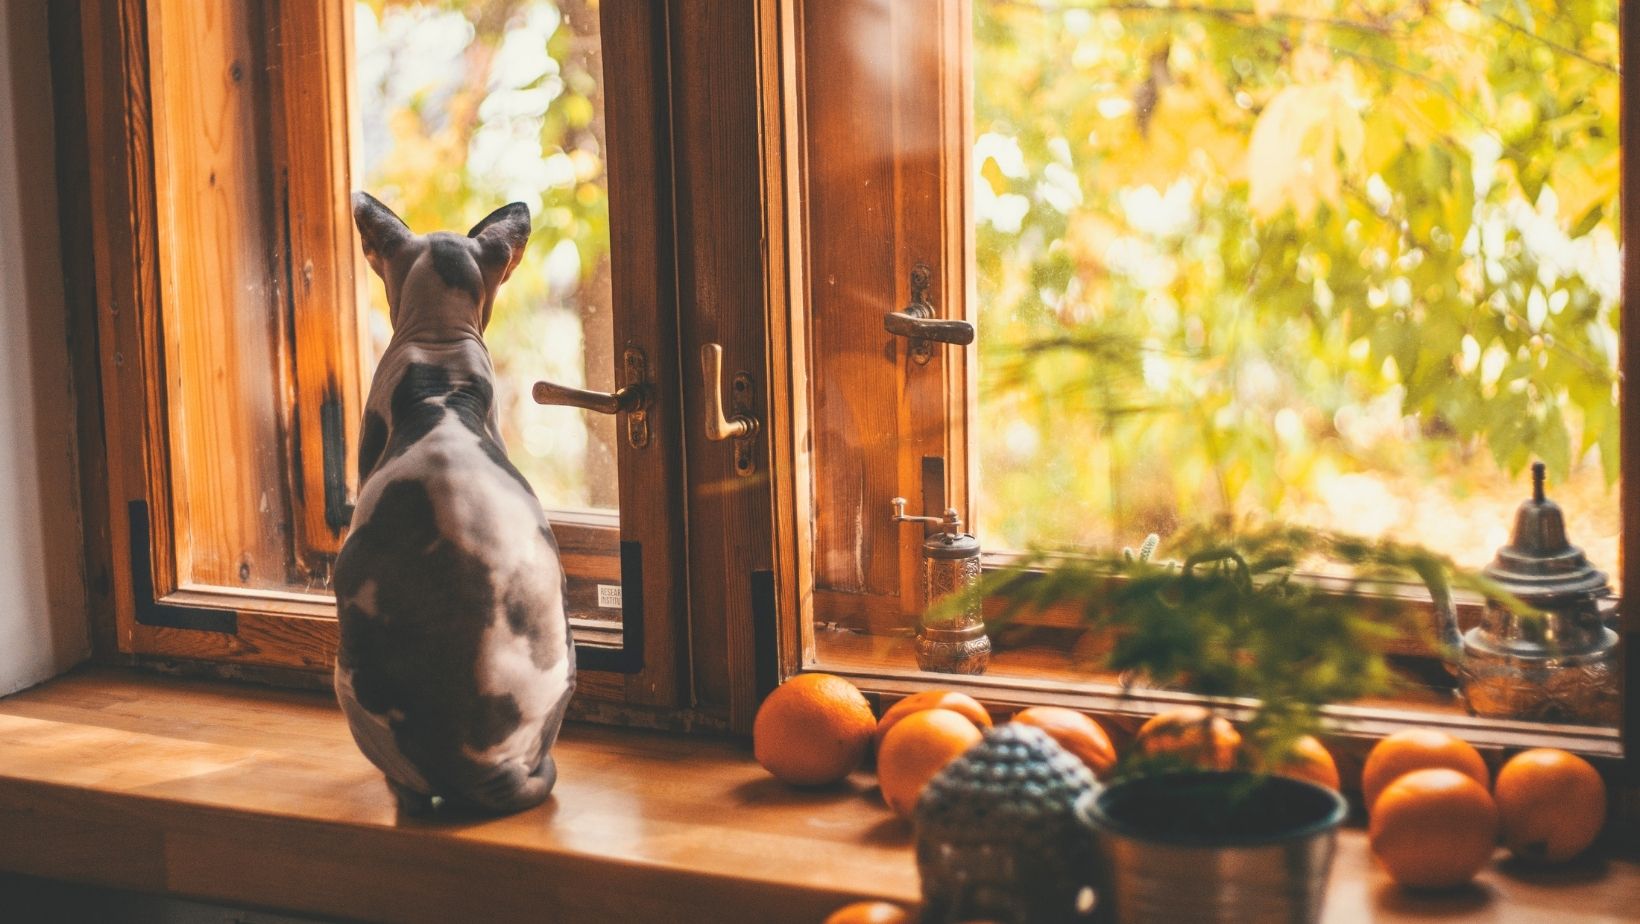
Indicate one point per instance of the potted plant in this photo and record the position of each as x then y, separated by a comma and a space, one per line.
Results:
1229, 620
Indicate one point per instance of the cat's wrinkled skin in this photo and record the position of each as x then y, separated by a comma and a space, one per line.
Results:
456, 663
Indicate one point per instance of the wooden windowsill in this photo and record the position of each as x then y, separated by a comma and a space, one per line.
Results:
258, 797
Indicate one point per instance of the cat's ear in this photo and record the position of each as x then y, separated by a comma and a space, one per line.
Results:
382, 232
501, 238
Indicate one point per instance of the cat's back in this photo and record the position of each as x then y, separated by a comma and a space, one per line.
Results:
450, 591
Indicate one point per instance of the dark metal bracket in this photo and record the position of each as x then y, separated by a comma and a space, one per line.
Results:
743, 404
333, 430
627, 659
765, 634
151, 612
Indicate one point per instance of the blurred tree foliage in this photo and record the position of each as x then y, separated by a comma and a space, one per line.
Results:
465, 105
1221, 614
1227, 247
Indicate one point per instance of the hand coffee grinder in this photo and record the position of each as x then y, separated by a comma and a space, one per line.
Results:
1560, 664
955, 644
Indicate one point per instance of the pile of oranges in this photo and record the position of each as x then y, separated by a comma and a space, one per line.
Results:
816, 729
1436, 816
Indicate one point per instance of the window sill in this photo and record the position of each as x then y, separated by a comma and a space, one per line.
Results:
257, 797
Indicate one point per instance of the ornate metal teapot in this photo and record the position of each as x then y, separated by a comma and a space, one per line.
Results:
1561, 668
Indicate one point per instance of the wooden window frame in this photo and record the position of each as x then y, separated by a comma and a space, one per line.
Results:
890, 204
114, 122
828, 113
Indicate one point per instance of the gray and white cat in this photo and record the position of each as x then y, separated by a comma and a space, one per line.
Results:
456, 662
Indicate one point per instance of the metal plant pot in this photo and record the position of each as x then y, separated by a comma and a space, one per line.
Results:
1211, 847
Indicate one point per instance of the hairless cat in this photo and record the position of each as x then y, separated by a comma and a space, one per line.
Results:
456, 663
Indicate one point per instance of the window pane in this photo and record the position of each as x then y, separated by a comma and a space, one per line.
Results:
231, 482
1354, 265
467, 106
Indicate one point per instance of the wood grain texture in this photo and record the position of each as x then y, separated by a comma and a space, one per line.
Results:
644, 292
885, 140
76, 228
786, 306
115, 54
855, 375
259, 797
316, 262
219, 285
275, 640
931, 106
589, 548
718, 150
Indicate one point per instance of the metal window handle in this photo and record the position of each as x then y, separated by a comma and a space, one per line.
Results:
631, 399
918, 322
906, 324
718, 426
625, 398
741, 423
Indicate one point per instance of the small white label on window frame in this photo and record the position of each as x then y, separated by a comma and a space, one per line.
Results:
609, 596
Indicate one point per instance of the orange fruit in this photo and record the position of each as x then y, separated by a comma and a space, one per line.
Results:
1193, 734
1552, 804
1075, 732
1309, 760
869, 913
960, 703
916, 748
1434, 828
812, 730
1417, 749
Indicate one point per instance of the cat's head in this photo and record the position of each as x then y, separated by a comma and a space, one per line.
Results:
441, 283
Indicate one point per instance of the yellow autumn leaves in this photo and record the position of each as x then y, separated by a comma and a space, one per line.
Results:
1308, 137
1301, 145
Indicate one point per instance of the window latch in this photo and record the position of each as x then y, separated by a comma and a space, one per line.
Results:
631, 399
919, 323
741, 423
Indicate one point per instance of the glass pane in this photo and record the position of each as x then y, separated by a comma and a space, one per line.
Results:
463, 108
1349, 264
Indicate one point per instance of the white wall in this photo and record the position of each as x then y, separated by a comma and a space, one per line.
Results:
42, 587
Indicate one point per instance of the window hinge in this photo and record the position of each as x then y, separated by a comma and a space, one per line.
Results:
151, 612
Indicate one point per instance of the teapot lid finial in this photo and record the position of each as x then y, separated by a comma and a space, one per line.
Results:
1539, 563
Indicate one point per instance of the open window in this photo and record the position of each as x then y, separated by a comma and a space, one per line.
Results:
1344, 268
239, 328
459, 107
